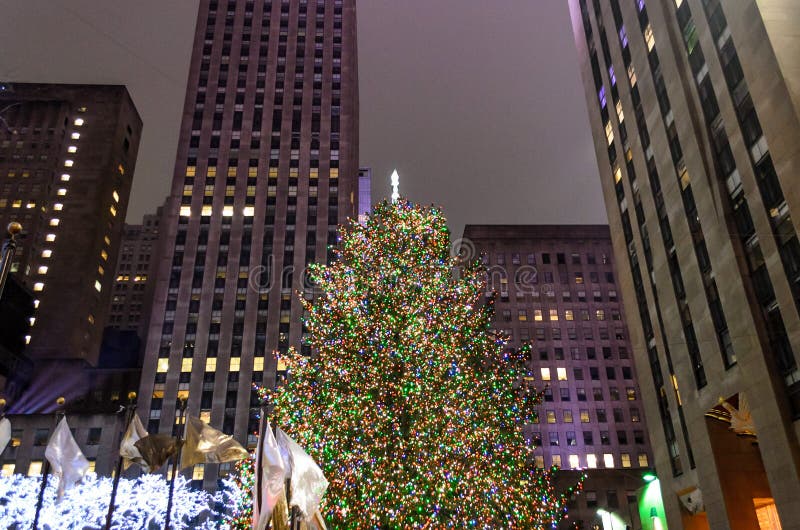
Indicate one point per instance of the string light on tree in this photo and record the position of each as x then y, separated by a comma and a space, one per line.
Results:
412, 405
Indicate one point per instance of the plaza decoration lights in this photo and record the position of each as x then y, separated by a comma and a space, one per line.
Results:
141, 504
412, 404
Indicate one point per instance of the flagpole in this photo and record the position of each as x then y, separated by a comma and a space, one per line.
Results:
176, 463
129, 411
46, 468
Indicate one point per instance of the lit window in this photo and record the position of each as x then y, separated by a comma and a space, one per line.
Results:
211, 364
78, 122
569, 314
50, 237
249, 211
584, 416
90, 318
163, 366
649, 37
35, 468
608, 460
574, 462
620, 114
556, 459
113, 210
38, 286
600, 314
545, 374
92, 464
42, 269
205, 416
186, 365
643, 460
65, 177
30, 205
206, 211
7, 471
551, 416
235, 364
609, 133
198, 471
561, 373
76, 135
186, 211
58, 207
626, 459
115, 195
537, 315
617, 175
334, 173
97, 286
17, 204
36, 304
554, 315
72, 149
121, 169
591, 461
538, 461
227, 211
61, 192
54, 221
68, 163
191, 171
258, 364
104, 255
46, 253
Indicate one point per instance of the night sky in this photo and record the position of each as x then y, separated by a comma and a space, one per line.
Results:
478, 103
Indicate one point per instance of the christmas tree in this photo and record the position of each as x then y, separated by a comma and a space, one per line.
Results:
412, 404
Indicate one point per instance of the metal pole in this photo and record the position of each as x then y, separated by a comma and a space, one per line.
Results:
46, 469
177, 462
7, 256
129, 411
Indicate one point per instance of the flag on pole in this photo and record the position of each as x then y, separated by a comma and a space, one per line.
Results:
204, 444
5, 433
308, 484
269, 477
155, 449
127, 450
65, 457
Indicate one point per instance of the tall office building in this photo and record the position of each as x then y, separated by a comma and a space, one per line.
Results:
694, 108
67, 157
133, 282
556, 290
266, 169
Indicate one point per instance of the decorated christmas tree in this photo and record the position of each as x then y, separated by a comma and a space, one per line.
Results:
412, 404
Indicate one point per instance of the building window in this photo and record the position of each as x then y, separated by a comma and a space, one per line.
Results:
643, 460
8, 470
591, 463
94, 436
562, 374
545, 374
35, 468
625, 458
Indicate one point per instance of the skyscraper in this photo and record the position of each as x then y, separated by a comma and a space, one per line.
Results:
557, 290
694, 109
267, 166
67, 157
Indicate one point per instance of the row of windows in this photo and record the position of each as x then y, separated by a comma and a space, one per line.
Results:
525, 288
575, 461
569, 438
538, 315
565, 393
601, 416
530, 259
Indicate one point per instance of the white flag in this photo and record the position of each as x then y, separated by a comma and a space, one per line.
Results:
65, 457
5, 433
127, 449
269, 483
308, 484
